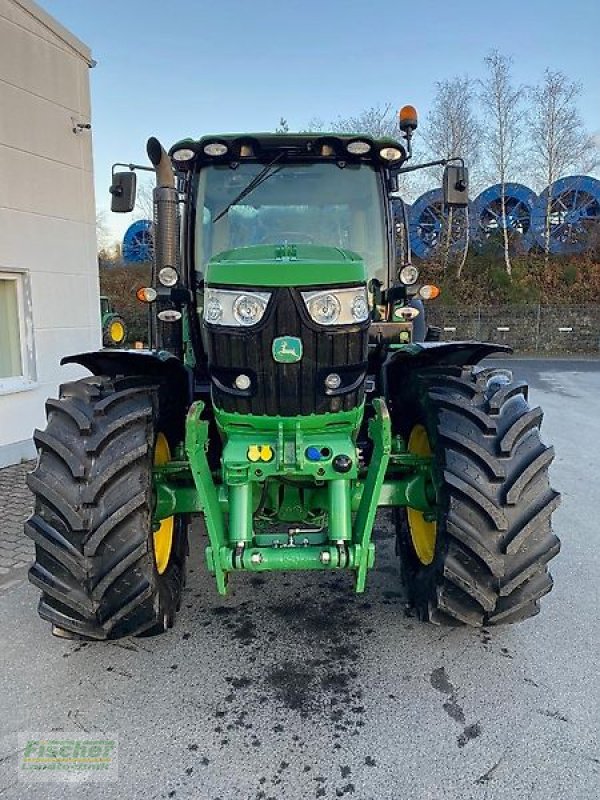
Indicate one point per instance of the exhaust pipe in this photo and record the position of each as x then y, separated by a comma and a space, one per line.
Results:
166, 210
166, 242
161, 163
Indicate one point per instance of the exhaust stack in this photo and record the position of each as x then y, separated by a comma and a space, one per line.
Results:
166, 210
166, 246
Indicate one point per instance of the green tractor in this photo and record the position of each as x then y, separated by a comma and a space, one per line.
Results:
114, 329
290, 390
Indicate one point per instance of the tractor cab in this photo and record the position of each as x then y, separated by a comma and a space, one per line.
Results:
270, 189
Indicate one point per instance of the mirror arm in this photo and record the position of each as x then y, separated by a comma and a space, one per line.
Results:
131, 167
440, 163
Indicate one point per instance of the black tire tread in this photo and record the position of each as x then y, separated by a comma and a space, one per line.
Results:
494, 538
92, 519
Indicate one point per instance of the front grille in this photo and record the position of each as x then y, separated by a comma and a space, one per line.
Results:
287, 389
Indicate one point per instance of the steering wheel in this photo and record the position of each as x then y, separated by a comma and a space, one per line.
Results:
290, 236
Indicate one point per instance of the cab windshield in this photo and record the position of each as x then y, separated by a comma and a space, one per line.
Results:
316, 203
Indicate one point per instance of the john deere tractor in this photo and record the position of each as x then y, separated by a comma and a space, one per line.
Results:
114, 329
291, 390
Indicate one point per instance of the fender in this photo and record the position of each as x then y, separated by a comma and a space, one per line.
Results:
175, 381
421, 355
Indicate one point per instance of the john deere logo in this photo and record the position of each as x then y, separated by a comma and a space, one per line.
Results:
287, 349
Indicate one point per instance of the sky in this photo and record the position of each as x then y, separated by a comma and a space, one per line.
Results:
174, 69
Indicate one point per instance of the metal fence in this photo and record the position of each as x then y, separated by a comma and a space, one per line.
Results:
527, 328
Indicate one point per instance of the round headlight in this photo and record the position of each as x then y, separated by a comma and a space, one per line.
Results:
358, 148
168, 276
409, 275
184, 154
242, 382
390, 153
215, 149
360, 309
213, 310
333, 381
325, 309
248, 309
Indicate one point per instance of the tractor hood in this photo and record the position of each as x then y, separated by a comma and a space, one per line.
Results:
285, 265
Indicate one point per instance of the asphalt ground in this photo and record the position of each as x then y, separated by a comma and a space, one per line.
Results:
295, 688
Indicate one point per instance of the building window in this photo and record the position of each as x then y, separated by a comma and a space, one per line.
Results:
16, 360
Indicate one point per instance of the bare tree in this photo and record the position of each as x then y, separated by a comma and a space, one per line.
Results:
559, 142
502, 102
283, 126
102, 235
452, 129
377, 121
144, 199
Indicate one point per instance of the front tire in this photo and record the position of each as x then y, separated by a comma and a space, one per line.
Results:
95, 559
486, 561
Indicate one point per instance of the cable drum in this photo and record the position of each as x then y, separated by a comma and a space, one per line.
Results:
487, 219
429, 223
138, 242
574, 205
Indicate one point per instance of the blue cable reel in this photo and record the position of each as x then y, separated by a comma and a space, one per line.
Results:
429, 225
487, 219
138, 242
574, 212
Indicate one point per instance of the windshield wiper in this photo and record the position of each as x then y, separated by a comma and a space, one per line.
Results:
262, 176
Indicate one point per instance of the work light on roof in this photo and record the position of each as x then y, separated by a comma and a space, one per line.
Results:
358, 148
183, 154
390, 153
215, 149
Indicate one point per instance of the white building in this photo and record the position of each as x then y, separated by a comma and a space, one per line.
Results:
49, 296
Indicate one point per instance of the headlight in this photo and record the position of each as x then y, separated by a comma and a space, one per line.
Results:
409, 275
215, 149
168, 276
248, 309
324, 308
183, 154
235, 308
358, 147
390, 154
338, 306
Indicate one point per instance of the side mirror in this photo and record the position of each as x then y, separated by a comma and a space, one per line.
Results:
455, 185
123, 189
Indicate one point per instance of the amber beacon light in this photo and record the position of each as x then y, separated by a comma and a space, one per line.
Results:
408, 118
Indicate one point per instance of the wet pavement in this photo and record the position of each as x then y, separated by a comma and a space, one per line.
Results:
294, 688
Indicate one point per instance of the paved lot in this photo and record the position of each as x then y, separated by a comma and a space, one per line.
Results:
16, 551
293, 688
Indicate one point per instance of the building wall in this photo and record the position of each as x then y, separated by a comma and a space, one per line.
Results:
47, 212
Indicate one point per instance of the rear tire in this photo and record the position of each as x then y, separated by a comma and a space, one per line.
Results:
494, 537
92, 521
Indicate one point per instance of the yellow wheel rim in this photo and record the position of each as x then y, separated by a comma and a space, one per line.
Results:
163, 537
422, 532
116, 332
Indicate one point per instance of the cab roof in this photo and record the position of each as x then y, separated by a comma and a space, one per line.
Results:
310, 146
